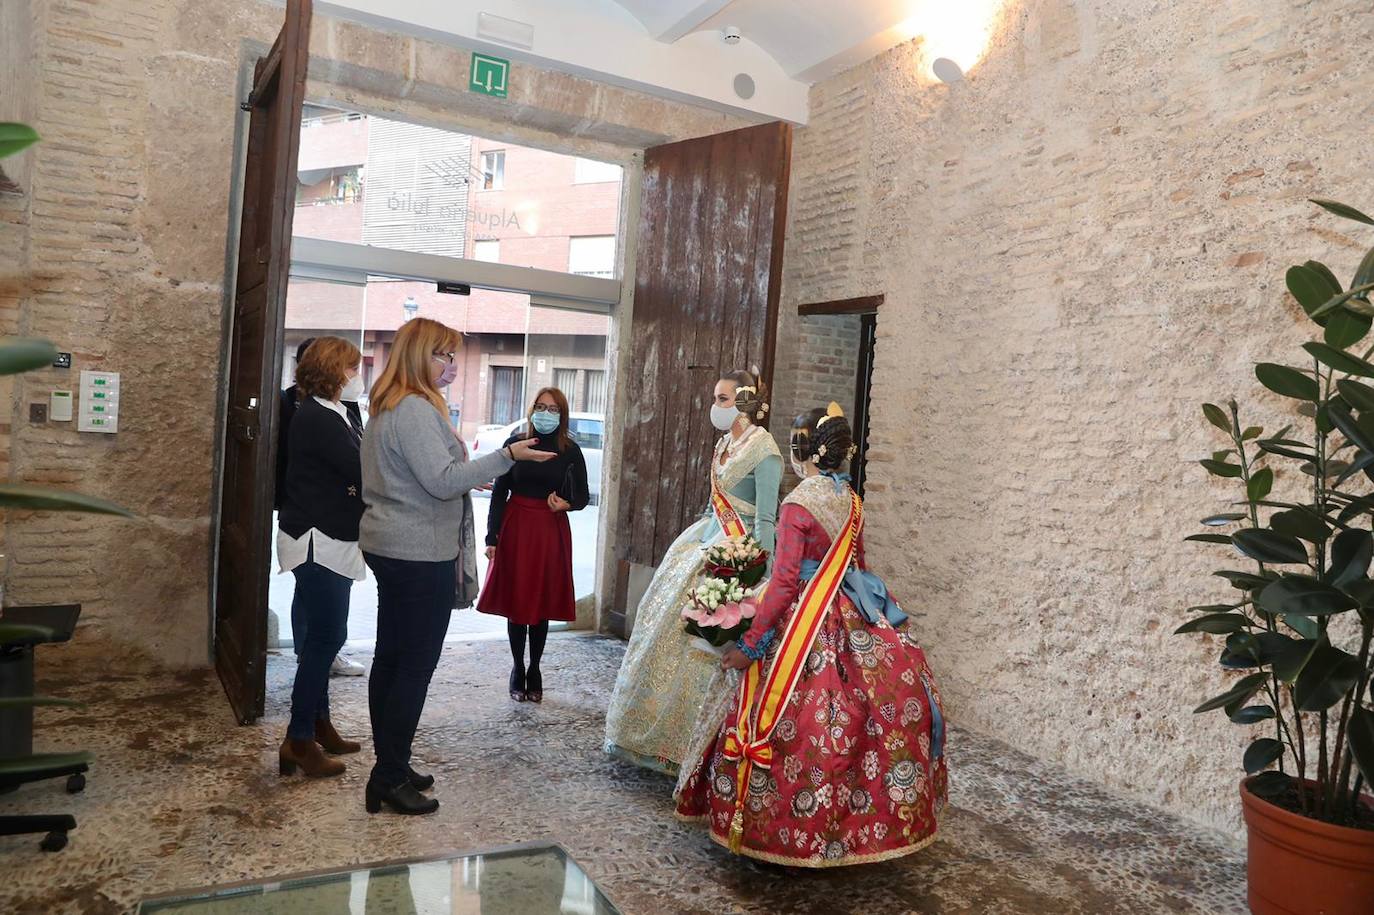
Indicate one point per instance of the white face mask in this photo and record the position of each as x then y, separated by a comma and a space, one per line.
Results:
354, 390
799, 468
723, 418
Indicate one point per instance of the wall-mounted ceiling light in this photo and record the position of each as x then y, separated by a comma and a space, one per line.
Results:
946, 70
955, 36
744, 85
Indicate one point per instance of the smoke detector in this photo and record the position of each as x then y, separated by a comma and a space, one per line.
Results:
730, 34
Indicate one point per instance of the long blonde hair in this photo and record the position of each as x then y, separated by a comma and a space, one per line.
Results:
407, 367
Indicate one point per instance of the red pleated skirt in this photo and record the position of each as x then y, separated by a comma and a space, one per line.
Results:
530, 579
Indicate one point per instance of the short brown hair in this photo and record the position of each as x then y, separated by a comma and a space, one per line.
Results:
561, 399
323, 369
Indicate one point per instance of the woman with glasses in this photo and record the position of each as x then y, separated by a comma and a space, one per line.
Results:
416, 533
529, 541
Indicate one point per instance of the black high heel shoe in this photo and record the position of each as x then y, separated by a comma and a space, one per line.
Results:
421, 782
403, 799
534, 687
517, 685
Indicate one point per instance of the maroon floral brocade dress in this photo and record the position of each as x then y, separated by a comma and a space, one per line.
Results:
858, 772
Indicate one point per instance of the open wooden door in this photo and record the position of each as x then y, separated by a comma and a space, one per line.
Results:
255, 346
707, 277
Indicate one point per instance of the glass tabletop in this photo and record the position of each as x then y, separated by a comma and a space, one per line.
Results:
521, 880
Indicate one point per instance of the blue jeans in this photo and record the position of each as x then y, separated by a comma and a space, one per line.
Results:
323, 598
414, 603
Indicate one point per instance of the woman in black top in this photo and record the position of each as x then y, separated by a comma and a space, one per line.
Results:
529, 541
317, 541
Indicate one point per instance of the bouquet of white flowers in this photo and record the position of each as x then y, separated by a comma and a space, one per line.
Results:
723, 604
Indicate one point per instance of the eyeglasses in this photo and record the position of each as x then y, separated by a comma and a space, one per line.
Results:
444, 357
545, 408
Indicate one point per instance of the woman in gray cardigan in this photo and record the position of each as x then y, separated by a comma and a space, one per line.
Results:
416, 533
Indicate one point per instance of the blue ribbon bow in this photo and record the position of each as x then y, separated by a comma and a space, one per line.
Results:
866, 590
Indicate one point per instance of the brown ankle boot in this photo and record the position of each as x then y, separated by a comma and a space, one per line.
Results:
308, 755
327, 737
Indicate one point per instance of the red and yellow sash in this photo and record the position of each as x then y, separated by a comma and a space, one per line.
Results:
748, 741
726, 515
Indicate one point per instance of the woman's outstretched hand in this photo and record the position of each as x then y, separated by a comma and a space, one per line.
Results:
525, 451
734, 659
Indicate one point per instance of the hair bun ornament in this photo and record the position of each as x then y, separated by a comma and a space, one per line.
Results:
831, 412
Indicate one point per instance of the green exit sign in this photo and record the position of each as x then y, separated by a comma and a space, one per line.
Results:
489, 76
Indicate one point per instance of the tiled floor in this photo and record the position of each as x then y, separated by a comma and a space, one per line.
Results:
181, 797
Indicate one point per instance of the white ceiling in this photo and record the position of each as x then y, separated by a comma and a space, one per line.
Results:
810, 39
674, 48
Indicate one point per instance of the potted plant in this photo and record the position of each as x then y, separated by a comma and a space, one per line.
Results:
1298, 627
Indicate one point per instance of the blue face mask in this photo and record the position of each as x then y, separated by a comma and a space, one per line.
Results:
544, 423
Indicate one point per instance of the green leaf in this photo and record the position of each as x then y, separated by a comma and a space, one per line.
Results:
1269, 784
1245, 581
1252, 714
1223, 454
1261, 482
1330, 674
1346, 328
24, 354
1325, 272
17, 632
1356, 393
1220, 469
1289, 659
1301, 523
1272, 447
1341, 209
1209, 538
1339, 360
1352, 430
1366, 460
1241, 691
1364, 274
1211, 608
1217, 416
1287, 381
1362, 590
1351, 553
1215, 623
1305, 596
1304, 626
22, 765
1361, 740
15, 138
1252, 432
1261, 754
1350, 299
1311, 288
1269, 546
22, 701
1227, 518
41, 498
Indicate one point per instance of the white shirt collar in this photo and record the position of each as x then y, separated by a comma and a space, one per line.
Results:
336, 407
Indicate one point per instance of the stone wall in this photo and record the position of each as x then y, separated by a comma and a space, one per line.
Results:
1078, 245
123, 237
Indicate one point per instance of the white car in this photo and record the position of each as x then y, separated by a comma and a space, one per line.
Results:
587, 429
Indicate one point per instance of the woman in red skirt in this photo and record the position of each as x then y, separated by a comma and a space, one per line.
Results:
529, 542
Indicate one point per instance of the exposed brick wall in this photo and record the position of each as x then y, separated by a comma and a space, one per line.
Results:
1078, 245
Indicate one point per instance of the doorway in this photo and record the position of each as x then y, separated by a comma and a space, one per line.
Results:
410, 188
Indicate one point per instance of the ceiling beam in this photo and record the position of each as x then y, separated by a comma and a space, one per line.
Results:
691, 20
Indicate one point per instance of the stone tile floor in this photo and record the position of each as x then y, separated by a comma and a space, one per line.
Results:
180, 797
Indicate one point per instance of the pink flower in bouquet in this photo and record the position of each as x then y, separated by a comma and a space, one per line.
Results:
692, 612
729, 616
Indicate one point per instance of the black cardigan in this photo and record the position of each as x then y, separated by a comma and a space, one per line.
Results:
565, 475
324, 474
286, 409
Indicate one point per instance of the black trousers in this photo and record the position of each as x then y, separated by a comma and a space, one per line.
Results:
414, 603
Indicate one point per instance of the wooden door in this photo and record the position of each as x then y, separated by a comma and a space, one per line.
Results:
707, 278
255, 348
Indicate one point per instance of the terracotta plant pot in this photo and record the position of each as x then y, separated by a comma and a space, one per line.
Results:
1300, 866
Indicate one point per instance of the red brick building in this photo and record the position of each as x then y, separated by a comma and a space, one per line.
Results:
399, 185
